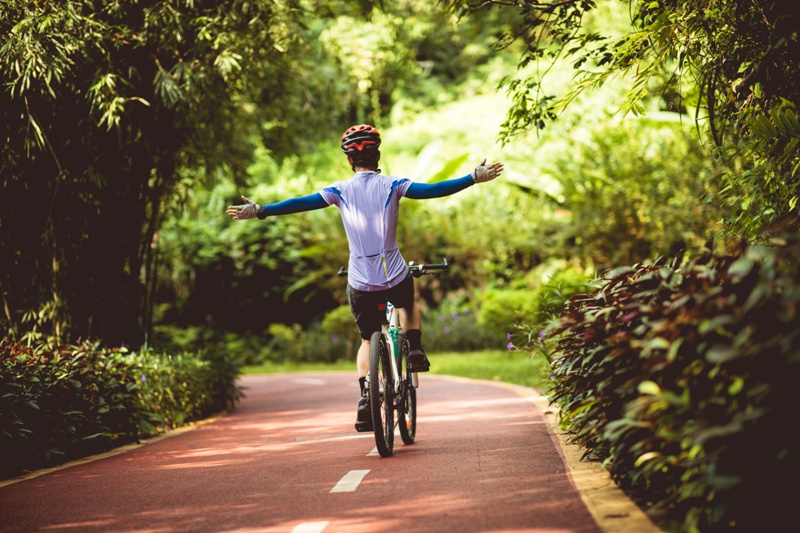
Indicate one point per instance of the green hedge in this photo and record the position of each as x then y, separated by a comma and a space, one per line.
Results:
57, 405
683, 379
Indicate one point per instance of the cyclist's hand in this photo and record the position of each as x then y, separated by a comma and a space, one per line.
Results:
248, 210
484, 172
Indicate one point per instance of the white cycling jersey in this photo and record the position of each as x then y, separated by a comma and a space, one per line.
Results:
369, 204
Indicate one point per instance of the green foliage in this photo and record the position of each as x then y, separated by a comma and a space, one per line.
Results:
176, 389
102, 103
733, 64
536, 300
340, 326
60, 404
320, 346
504, 310
681, 378
632, 189
454, 327
285, 343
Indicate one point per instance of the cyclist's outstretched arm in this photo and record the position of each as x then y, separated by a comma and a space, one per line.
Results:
293, 205
482, 173
421, 191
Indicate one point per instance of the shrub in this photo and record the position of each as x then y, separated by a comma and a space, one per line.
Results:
321, 345
455, 328
503, 310
76, 400
538, 300
340, 326
285, 342
245, 347
681, 378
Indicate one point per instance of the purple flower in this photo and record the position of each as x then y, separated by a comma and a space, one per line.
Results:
446, 329
510, 346
465, 311
508, 336
442, 318
334, 338
455, 314
541, 334
144, 378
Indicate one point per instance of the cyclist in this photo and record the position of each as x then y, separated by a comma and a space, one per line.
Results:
369, 206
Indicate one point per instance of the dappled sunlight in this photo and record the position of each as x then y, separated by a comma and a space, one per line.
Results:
458, 504
294, 443
196, 464
79, 526
461, 410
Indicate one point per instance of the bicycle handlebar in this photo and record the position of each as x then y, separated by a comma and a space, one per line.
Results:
417, 269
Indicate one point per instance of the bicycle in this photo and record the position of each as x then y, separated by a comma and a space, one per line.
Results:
390, 386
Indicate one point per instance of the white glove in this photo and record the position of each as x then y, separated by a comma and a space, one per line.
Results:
250, 209
484, 172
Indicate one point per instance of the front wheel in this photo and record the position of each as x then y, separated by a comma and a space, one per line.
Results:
407, 407
381, 394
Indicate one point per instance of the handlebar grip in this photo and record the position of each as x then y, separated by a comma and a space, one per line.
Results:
439, 266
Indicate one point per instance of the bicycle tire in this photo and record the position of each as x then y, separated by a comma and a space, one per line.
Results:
381, 394
407, 407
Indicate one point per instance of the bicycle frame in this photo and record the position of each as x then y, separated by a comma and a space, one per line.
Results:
393, 333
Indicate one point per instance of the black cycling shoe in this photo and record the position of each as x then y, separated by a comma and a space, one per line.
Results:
363, 415
418, 361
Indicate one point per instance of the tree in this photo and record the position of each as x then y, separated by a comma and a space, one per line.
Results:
734, 63
103, 103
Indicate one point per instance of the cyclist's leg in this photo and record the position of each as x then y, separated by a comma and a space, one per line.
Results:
404, 299
362, 359
364, 308
363, 413
368, 318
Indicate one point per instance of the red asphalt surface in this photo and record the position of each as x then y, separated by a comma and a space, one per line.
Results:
484, 461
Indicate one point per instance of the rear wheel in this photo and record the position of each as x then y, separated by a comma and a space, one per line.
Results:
381, 394
407, 407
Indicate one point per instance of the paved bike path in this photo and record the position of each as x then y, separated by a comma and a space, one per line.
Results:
287, 460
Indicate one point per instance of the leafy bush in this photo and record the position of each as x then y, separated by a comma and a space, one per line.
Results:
245, 347
341, 327
455, 328
505, 309
319, 345
76, 400
681, 378
633, 189
541, 296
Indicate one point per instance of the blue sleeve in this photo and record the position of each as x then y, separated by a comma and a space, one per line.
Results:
294, 205
420, 191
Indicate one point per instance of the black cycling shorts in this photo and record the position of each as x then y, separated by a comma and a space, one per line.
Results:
369, 308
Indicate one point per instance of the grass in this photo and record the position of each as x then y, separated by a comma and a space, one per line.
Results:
495, 365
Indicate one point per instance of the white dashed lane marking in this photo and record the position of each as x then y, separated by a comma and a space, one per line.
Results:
310, 527
350, 481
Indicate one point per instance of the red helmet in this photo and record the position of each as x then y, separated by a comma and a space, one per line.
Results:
360, 138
